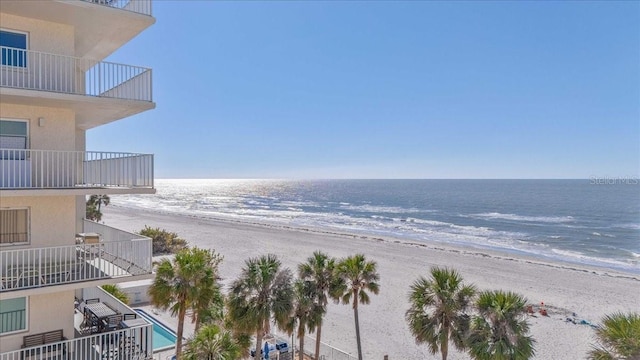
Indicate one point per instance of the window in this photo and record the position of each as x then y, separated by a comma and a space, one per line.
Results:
15, 226
13, 135
13, 315
14, 46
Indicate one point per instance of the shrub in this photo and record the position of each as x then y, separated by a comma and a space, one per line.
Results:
163, 242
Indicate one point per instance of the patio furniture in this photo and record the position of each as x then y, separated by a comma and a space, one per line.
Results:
22, 276
96, 315
112, 322
62, 272
33, 344
134, 322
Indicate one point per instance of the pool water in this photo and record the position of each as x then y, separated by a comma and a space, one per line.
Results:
163, 337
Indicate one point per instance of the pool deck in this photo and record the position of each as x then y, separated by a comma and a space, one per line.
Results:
169, 321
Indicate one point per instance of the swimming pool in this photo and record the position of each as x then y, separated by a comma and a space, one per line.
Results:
163, 337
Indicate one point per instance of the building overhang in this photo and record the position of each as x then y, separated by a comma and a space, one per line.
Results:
71, 286
91, 111
99, 29
76, 191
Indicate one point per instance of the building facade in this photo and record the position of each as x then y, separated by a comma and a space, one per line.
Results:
54, 86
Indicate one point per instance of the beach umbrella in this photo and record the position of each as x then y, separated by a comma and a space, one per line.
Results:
266, 350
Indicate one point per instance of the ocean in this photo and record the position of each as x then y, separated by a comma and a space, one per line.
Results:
593, 222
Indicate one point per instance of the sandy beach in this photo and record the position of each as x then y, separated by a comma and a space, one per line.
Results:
565, 289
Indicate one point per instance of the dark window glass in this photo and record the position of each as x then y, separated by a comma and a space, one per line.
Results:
14, 46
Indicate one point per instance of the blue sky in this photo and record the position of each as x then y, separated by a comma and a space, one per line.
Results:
363, 89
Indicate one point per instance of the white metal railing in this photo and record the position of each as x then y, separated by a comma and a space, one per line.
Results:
35, 70
327, 352
138, 6
47, 266
53, 169
129, 343
110, 234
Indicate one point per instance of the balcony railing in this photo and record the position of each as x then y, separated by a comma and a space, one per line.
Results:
51, 169
138, 6
128, 343
119, 254
34, 70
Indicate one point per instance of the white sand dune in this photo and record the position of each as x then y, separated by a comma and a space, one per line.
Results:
565, 289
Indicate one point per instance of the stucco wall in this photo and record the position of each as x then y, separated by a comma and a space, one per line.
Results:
43, 36
58, 132
52, 219
45, 313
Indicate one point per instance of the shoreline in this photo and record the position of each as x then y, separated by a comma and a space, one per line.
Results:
588, 292
431, 245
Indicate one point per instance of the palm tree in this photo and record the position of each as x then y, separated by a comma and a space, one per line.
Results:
94, 204
183, 284
438, 310
357, 276
91, 213
212, 343
99, 200
319, 272
263, 291
500, 330
618, 338
209, 301
209, 307
306, 313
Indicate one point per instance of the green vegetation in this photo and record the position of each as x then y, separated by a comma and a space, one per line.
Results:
306, 313
319, 274
94, 204
262, 292
618, 338
212, 343
266, 292
438, 311
116, 292
500, 329
189, 282
357, 276
163, 242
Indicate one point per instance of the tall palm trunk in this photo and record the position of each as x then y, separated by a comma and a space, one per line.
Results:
355, 315
444, 347
318, 333
258, 344
301, 354
197, 327
181, 315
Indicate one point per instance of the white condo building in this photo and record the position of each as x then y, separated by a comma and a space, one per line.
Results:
54, 86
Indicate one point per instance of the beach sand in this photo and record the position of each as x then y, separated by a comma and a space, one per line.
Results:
564, 288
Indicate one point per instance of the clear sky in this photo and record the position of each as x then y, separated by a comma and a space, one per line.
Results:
383, 89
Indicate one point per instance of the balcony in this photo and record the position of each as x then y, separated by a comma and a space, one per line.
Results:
74, 172
98, 91
137, 6
127, 343
120, 255
100, 26
128, 340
